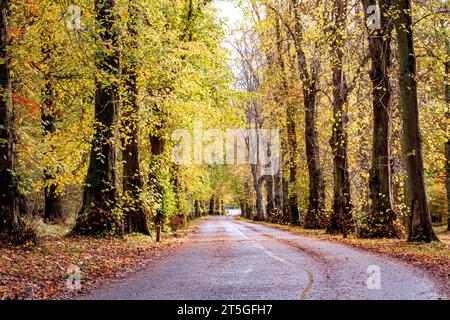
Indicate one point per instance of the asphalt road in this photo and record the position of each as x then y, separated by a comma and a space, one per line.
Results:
230, 259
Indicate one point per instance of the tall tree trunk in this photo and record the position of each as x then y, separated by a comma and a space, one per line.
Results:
270, 200
447, 144
133, 182
9, 194
290, 147
53, 207
222, 207
216, 206
380, 222
256, 175
197, 210
247, 206
292, 197
211, 206
278, 189
420, 227
100, 191
242, 207
340, 217
53, 210
316, 202
157, 164
258, 191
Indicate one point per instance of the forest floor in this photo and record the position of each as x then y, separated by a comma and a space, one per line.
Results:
434, 258
42, 271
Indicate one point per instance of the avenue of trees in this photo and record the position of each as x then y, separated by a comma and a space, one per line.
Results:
360, 89
92, 91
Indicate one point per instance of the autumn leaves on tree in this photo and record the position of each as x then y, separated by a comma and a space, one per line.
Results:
356, 35
88, 110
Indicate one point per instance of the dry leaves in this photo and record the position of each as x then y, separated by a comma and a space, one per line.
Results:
41, 272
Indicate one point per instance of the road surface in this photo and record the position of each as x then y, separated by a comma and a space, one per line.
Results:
230, 259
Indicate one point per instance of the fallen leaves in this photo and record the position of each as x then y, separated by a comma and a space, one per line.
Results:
41, 272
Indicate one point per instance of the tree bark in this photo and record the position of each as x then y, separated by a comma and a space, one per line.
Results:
278, 190
247, 206
53, 207
157, 143
216, 206
258, 191
197, 209
380, 221
270, 200
447, 144
222, 207
289, 200
133, 182
316, 202
341, 215
9, 194
100, 191
211, 206
420, 227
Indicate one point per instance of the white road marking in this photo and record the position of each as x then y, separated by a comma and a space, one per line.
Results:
304, 293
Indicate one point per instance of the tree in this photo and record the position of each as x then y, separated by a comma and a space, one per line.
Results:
9, 194
100, 192
291, 147
340, 215
283, 198
53, 207
157, 163
420, 228
447, 144
133, 183
309, 79
447, 116
381, 218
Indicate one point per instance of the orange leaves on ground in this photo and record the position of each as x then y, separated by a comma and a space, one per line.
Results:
41, 272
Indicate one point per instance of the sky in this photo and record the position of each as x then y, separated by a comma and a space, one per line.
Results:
233, 17
229, 11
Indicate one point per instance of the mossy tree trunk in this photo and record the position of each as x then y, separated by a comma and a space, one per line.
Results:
289, 201
309, 80
420, 227
341, 215
136, 219
381, 218
9, 194
211, 206
270, 199
447, 144
158, 165
100, 191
